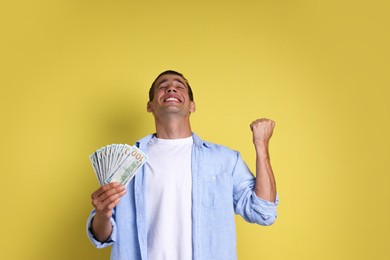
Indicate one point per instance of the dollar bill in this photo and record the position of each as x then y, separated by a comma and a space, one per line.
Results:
126, 170
117, 163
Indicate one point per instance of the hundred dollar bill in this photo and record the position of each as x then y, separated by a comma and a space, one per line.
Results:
129, 167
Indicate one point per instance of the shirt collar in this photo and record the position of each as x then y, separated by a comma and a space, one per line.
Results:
144, 141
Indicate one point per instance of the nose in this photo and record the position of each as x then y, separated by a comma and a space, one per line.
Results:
171, 89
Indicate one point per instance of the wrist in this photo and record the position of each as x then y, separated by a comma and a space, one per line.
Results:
101, 218
262, 151
261, 145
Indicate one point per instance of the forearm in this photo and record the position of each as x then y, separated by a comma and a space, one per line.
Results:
104, 200
265, 186
101, 228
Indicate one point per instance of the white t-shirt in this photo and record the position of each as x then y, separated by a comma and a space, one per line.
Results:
169, 182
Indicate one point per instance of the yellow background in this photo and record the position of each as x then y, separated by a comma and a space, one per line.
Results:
75, 76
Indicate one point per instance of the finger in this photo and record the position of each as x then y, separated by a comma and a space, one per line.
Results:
110, 202
111, 194
262, 123
113, 204
107, 211
101, 190
104, 188
255, 123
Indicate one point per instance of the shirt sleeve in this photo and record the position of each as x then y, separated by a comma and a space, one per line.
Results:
252, 208
96, 243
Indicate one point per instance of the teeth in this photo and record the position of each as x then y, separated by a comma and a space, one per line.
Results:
171, 99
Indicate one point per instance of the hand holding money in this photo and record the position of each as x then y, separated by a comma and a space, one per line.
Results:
114, 165
104, 200
117, 163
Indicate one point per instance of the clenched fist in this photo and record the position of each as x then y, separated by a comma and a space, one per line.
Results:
262, 130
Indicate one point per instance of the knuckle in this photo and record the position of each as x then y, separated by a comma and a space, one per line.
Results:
109, 193
95, 203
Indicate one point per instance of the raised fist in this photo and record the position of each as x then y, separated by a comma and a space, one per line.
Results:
262, 130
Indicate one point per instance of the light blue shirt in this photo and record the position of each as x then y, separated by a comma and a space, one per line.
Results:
222, 185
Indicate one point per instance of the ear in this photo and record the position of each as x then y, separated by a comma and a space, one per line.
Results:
149, 107
192, 107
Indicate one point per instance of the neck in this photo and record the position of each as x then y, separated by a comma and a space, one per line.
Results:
173, 129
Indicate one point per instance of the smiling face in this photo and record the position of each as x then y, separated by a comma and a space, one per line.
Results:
170, 96
171, 72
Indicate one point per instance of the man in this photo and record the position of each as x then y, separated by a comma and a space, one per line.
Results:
181, 204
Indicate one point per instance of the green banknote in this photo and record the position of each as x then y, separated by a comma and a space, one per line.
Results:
117, 163
126, 171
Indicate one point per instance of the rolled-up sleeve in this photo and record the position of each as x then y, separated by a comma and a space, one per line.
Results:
96, 243
252, 208
266, 210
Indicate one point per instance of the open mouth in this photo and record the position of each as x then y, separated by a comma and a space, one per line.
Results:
172, 99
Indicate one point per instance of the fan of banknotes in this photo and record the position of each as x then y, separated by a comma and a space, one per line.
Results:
117, 163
